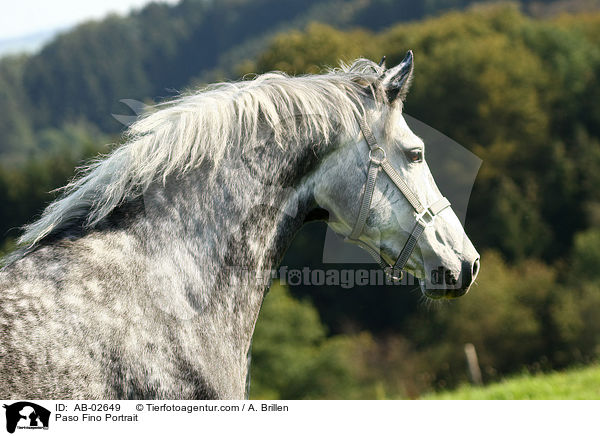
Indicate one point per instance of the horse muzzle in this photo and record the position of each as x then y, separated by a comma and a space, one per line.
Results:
444, 284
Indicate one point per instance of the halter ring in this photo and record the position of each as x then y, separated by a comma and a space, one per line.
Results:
393, 274
373, 158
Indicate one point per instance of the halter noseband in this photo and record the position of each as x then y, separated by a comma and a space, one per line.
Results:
425, 215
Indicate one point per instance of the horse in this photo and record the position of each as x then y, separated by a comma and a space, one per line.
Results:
139, 281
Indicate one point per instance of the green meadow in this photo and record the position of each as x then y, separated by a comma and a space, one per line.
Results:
575, 384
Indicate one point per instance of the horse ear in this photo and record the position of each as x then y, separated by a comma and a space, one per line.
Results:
396, 81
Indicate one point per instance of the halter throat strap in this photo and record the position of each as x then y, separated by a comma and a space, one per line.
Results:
424, 217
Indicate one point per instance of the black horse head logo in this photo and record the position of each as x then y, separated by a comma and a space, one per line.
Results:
31, 414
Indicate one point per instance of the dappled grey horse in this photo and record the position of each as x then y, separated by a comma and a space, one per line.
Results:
140, 281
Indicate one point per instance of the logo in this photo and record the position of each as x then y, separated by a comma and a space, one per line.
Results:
26, 415
443, 276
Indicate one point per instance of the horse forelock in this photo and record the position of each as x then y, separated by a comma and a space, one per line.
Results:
203, 126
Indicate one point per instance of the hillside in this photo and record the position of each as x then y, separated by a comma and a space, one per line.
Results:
159, 50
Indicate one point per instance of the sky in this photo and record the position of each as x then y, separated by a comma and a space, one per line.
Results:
27, 17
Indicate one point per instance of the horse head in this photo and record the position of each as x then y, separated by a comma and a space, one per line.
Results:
381, 195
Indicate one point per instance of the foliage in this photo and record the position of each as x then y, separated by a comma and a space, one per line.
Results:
507, 316
576, 312
26, 188
292, 358
15, 127
586, 256
517, 317
307, 52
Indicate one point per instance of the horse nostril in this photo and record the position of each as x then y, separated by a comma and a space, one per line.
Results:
475, 269
468, 272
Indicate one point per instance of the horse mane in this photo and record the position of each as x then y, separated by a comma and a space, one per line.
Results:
203, 126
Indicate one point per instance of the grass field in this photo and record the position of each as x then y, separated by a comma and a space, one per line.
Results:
575, 384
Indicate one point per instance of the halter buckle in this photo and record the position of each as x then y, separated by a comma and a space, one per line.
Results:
425, 218
373, 158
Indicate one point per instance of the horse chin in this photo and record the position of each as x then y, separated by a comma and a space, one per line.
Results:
439, 294
432, 294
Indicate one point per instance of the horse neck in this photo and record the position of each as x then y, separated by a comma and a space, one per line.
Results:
216, 238
245, 214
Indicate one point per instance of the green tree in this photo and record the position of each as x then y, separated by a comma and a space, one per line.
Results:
16, 135
508, 316
292, 358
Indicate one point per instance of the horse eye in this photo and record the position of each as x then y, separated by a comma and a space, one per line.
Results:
414, 156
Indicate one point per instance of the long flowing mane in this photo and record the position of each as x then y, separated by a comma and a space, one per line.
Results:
204, 125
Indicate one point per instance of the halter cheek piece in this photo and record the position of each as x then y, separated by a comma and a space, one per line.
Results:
424, 215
